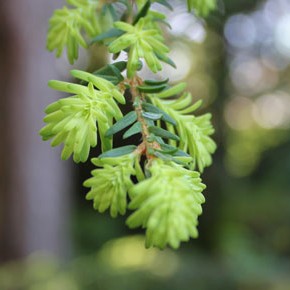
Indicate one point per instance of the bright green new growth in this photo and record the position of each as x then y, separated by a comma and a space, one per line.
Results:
67, 24
202, 7
157, 178
143, 43
195, 131
110, 184
171, 196
72, 120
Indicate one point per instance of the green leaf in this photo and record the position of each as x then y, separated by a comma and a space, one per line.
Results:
140, 65
168, 149
141, 42
66, 28
106, 143
152, 116
165, 4
112, 33
163, 133
169, 26
152, 89
192, 108
181, 153
155, 202
120, 65
184, 160
75, 120
126, 3
110, 183
116, 72
149, 122
142, 12
112, 11
135, 129
116, 55
138, 170
166, 59
202, 7
110, 69
179, 159
101, 84
127, 120
104, 9
165, 117
162, 156
152, 138
110, 72
196, 131
113, 80
175, 90
124, 150
156, 82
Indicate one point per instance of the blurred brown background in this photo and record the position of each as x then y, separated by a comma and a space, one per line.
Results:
51, 238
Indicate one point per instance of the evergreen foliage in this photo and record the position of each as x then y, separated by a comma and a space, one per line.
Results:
170, 196
110, 190
160, 176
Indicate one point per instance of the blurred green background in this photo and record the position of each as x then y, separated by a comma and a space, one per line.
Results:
52, 239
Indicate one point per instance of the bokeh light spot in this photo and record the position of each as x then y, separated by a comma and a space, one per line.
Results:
240, 31
238, 113
129, 253
272, 110
282, 35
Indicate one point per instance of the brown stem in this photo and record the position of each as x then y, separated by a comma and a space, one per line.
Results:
137, 99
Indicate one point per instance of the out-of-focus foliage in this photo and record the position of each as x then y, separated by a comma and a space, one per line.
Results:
201, 7
66, 25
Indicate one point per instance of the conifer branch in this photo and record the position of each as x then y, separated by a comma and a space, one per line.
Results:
166, 191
